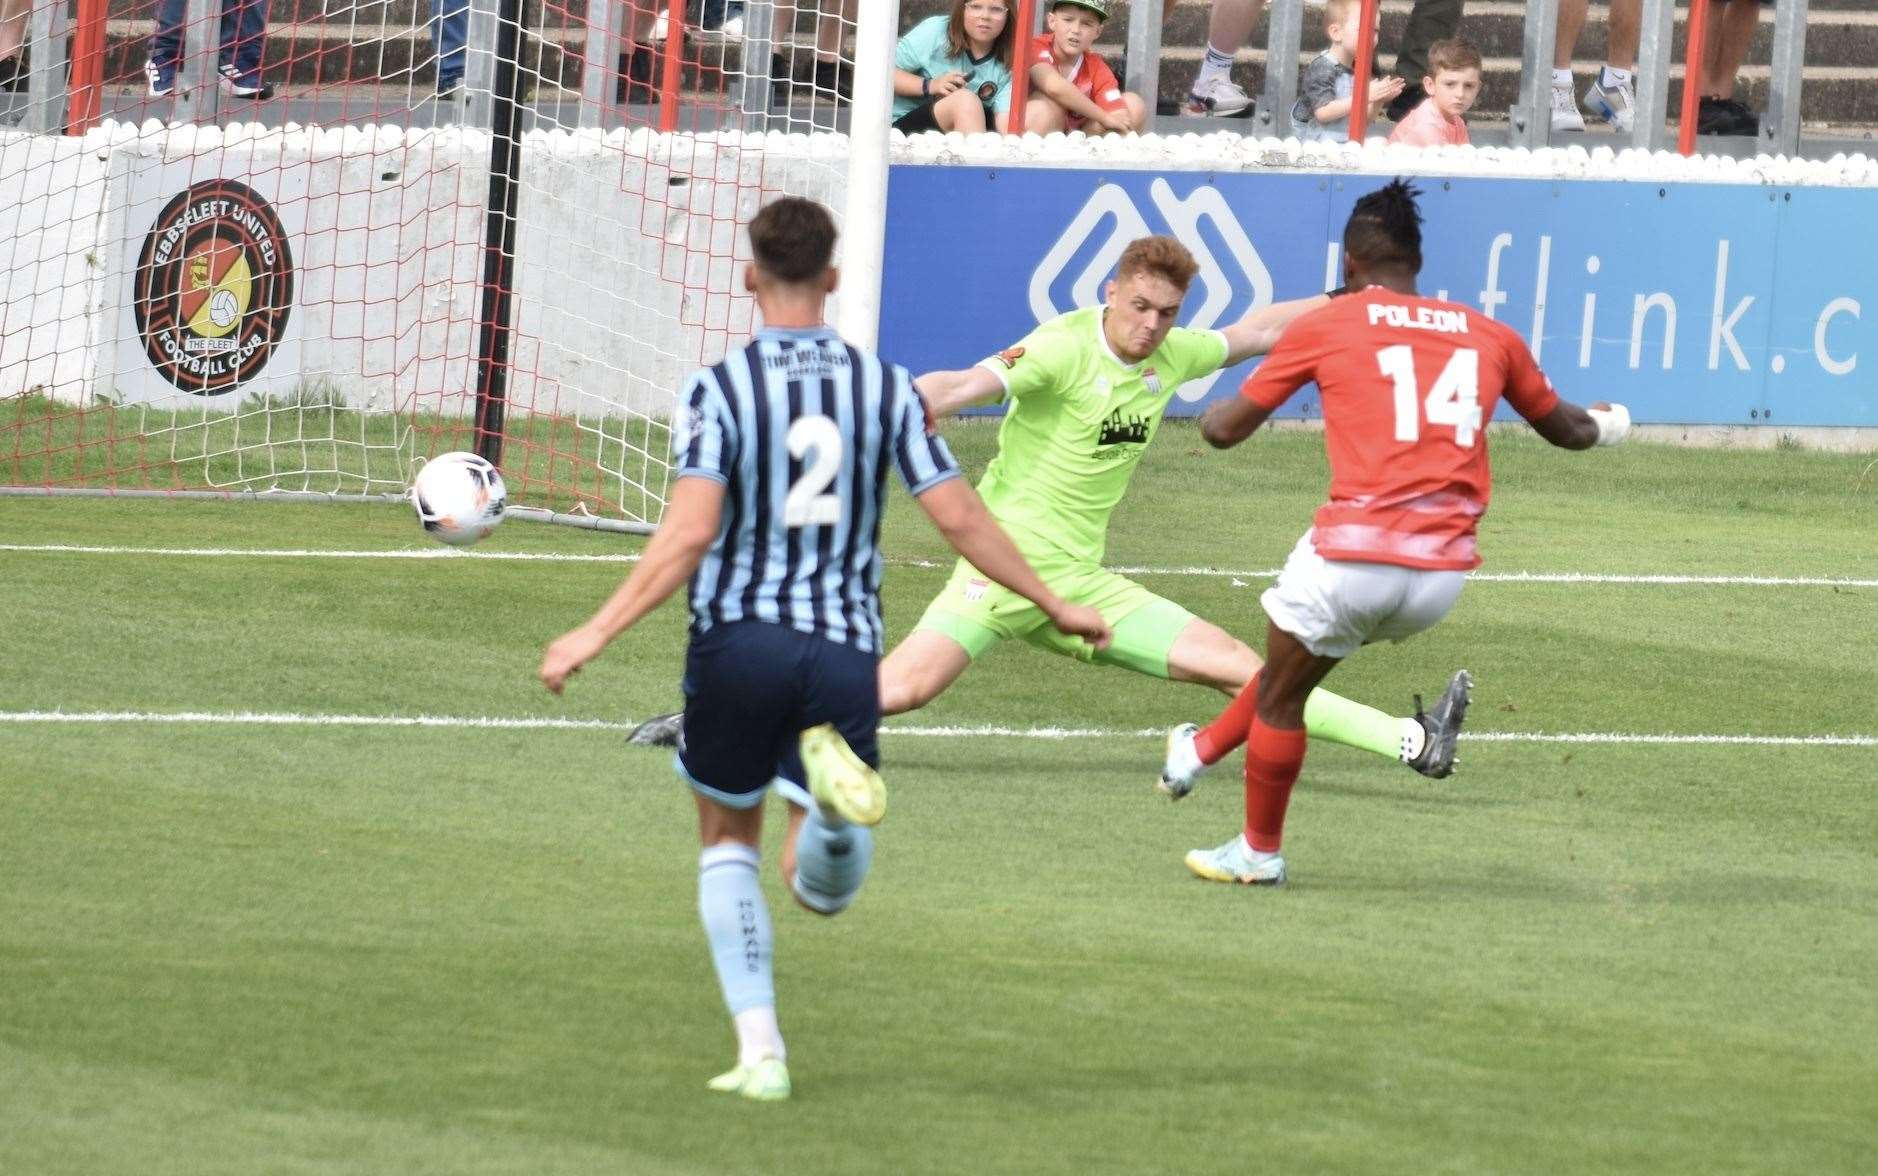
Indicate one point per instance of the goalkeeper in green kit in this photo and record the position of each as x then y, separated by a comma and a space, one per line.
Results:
1086, 392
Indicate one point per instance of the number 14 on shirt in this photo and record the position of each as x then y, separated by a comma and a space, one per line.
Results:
1454, 400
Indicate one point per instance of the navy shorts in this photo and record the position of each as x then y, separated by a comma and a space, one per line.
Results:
752, 688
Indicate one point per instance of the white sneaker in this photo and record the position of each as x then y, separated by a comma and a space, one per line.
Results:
1232, 862
1616, 105
1218, 97
1182, 765
1565, 115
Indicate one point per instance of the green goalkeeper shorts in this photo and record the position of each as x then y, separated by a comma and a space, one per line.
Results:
978, 613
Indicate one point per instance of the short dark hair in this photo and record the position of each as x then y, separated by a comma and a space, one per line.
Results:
1452, 54
1385, 228
793, 239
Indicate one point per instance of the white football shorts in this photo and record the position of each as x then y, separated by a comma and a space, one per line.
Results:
1334, 607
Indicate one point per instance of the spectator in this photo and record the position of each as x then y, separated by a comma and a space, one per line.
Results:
1230, 23
1613, 97
953, 72
243, 36
1073, 88
1452, 84
1322, 110
13, 14
1428, 21
1727, 45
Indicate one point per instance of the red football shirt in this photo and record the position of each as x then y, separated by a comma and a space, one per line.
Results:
1092, 76
1408, 384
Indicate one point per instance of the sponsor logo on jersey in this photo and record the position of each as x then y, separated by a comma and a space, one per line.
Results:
214, 287
1009, 357
1124, 430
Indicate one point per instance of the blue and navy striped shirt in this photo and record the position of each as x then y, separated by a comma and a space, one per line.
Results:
801, 427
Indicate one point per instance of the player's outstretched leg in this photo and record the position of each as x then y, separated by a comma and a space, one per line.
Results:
1424, 741
1441, 727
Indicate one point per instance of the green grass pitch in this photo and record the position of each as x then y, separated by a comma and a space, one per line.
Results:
306, 948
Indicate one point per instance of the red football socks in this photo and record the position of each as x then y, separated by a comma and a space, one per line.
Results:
1273, 758
1215, 741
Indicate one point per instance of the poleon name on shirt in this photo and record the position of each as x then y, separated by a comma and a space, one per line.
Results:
1418, 318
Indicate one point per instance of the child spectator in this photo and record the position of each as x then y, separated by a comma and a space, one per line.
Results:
953, 72
1322, 110
1073, 88
1453, 82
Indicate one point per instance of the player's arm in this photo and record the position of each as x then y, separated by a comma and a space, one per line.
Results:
1291, 364
1258, 332
1571, 427
958, 512
1230, 421
685, 534
948, 392
1558, 420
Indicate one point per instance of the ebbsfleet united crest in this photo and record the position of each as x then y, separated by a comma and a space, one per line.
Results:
214, 287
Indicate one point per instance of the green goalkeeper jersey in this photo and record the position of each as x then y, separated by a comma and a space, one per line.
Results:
1077, 421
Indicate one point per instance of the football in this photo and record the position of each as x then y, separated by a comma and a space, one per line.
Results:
459, 498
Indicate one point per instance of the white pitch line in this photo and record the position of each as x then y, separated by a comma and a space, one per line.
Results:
279, 719
1735, 581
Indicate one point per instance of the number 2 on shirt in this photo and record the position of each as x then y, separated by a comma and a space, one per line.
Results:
1454, 400
806, 505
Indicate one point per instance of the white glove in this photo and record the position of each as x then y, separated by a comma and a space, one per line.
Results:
1613, 423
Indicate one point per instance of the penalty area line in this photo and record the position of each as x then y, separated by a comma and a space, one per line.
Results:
451, 553
983, 731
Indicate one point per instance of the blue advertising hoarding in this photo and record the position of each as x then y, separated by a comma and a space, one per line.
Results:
1691, 303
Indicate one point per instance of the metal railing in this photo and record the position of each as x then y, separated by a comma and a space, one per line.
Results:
54, 105
1530, 120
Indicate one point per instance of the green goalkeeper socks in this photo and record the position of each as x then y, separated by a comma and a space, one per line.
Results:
1336, 718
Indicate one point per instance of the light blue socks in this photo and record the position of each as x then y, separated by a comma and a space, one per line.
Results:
736, 921
831, 862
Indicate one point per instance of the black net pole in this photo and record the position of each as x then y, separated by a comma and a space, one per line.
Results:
505, 169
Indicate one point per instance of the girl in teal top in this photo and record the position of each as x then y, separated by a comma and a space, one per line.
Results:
953, 73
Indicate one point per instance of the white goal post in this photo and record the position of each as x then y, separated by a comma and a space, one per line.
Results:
518, 247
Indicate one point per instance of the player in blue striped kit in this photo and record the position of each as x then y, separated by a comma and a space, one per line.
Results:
782, 453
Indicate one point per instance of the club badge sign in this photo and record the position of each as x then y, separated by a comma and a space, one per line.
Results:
214, 287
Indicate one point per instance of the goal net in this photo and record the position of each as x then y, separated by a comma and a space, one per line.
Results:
297, 252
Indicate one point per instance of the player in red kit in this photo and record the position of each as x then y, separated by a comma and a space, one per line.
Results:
1408, 384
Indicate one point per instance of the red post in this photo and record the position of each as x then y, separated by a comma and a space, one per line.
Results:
1692, 76
87, 85
672, 55
1025, 17
1365, 54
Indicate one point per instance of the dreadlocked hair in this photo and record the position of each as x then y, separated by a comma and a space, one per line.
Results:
1385, 228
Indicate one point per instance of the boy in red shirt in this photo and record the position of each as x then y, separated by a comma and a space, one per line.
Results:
1407, 384
1072, 88
1453, 82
